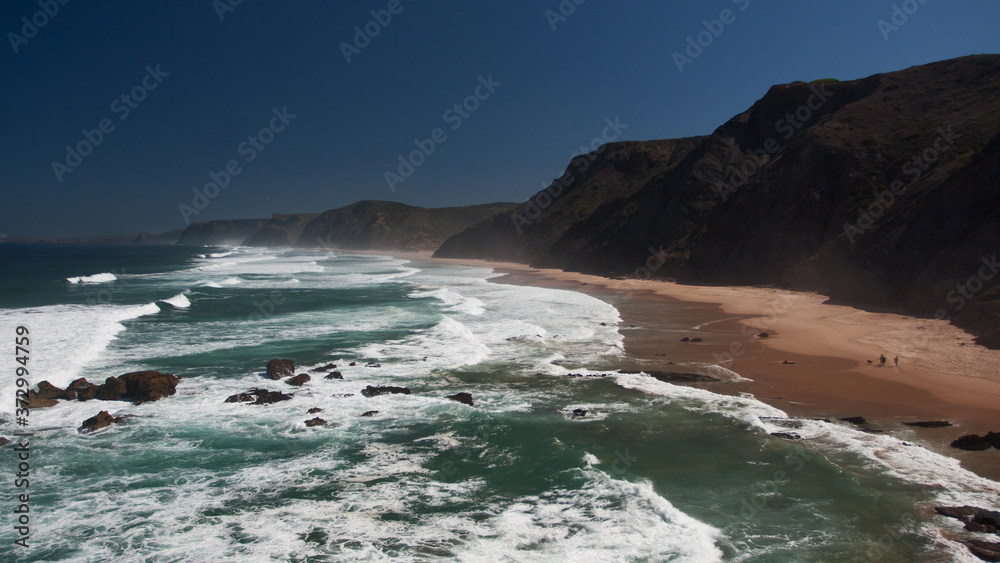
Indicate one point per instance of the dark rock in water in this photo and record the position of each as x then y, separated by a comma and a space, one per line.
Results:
782, 422
85, 393
353, 364
976, 519
314, 410
786, 435
240, 398
4, 441
369, 413
987, 551
373, 365
762, 335
315, 422
374, 391
101, 420
696, 339
685, 339
48, 391
342, 395
276, 369
325, 368
334, 375
929, 424
462, 398
147, 386
859, 420
112, 390
299, 380
788, 363
971, 442
35, 402
580, 413
585, 374
70, 394
259, 397
993, 438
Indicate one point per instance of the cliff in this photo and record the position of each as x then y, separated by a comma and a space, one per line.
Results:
281, 230
385, 225
878, 191
223, 232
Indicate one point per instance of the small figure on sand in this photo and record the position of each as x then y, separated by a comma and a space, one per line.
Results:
896, 361
881, 360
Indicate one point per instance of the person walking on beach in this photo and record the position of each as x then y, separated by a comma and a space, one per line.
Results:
896, 361
881, 360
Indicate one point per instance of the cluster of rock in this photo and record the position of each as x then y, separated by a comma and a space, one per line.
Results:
138, 386
977, 520
974, 442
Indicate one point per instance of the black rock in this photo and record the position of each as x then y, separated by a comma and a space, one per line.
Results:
276, 369
373, 365
685, 339
315, 422
680, 377
369, 413
462, 398
314, 410
323, 369
101, 420
299, 380
987, 551
4, 441
782, 422
696, 339
762, 335
334, 375
859, 420
259, 397
993, 438
786, 435
971, 442
48, 391
579, 413
374, 391
353, 363
929, 424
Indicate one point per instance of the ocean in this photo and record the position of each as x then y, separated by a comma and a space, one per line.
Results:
651, 471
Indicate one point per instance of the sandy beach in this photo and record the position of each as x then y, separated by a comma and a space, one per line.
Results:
941, 375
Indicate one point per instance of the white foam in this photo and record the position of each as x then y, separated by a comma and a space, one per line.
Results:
96, 278
454, 300
65, 339
179, 301
726, 374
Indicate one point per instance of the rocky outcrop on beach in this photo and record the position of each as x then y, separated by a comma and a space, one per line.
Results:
299, 380
974, 442
878, 191
978, 520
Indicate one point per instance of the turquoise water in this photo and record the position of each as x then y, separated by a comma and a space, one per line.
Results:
653, 472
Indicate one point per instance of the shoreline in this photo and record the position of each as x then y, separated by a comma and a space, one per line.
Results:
942, 374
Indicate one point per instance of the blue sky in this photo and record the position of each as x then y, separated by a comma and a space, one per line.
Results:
554, 81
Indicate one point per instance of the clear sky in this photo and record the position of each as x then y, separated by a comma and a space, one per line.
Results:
549, 73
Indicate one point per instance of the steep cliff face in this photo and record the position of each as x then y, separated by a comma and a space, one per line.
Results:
882, 191
169, 237
281, 230
224, 232
384, 225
